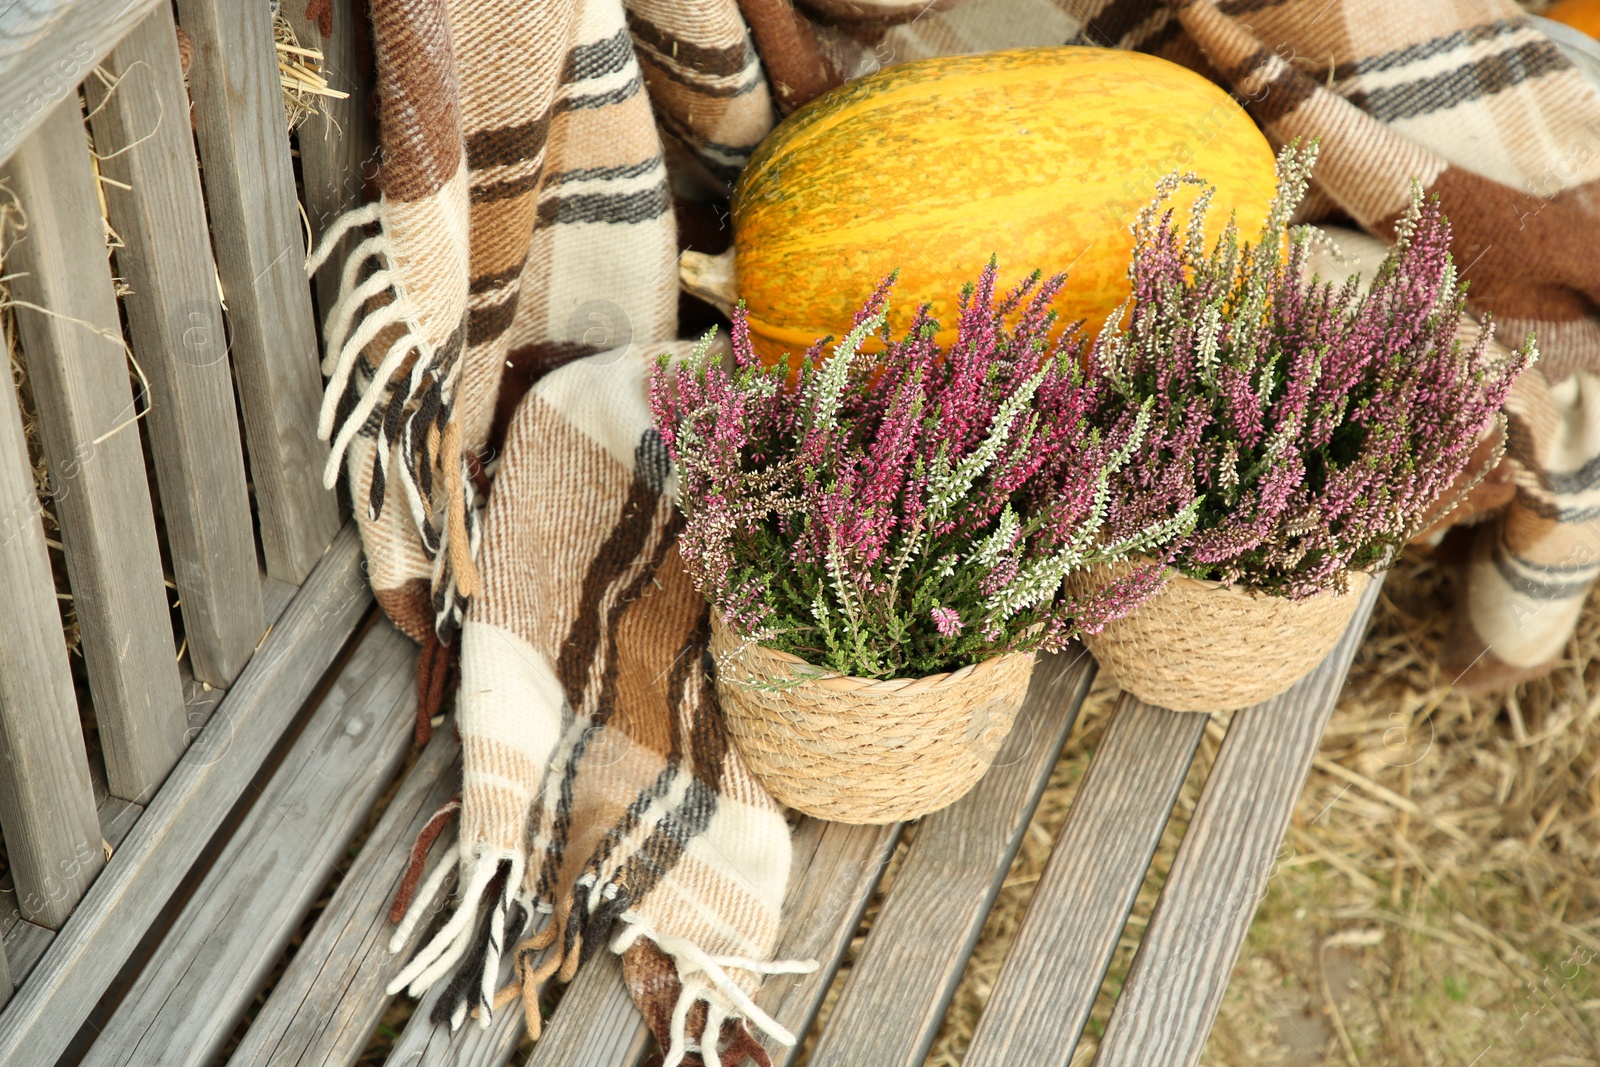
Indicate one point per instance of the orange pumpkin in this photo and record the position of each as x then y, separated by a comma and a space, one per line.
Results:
1579, 14
1038, 156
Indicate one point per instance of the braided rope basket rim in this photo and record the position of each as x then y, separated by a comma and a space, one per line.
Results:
849, 683
862, 750
1201, 646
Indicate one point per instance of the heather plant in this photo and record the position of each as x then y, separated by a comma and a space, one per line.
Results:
1320, 427
910, 510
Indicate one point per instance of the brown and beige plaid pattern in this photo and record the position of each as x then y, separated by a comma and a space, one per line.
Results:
525, 224
600, 783
525, 221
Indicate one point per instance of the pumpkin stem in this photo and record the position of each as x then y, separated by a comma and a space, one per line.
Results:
711, 278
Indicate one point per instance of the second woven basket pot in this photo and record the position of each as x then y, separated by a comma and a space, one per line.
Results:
1203, 646
856, 750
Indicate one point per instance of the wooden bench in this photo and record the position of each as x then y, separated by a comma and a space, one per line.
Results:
146, 908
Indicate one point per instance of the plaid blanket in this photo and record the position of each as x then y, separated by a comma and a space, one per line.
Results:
600, 783
519, 270
520, 230
516, 231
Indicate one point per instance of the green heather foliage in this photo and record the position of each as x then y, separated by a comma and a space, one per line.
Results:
905, 512
1320, 427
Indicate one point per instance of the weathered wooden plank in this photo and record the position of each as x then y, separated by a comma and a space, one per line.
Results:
200, 700
336, 147
185, 1005
1227, 855
121, 904
10, 914
79, 371
275, 596
836, 867
117, 817
596, 1022
175, 322
900, 985
1049, 981
46, 802
6, 985
324, 1007
46, 48
255, 225
25, 943
422, 1044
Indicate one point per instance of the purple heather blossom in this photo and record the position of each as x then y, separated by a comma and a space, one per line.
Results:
912, 510
1319, 427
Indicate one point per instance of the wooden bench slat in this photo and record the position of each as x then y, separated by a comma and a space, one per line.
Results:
275, 596
184, 1005
130, 893
838, 868
117, 817
25, 943
336, 146
256, 232
1181, 969
80, 375
175, 322
1048, 983
46, 48
13, 923
891, 1005
596, 1024
324, 1006
6, 985
46, 800
422, 1044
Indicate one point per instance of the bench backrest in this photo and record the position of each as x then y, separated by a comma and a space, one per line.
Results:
198, 325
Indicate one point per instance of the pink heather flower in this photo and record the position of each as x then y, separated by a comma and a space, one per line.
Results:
1320, 428
914, 509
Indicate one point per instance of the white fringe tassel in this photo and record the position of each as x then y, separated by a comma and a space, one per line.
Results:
352, 295
435, 959
705, 977
450, 943
509, 895
361, 216
344, 338
364, 407
424, 896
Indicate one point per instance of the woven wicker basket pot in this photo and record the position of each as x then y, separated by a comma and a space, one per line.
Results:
861, 751
1202, 646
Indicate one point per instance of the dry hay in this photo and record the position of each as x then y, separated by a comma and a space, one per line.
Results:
12, 221
299, 75
1437, 900
1461, 930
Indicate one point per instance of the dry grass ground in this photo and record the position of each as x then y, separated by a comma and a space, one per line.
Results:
1437, 903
